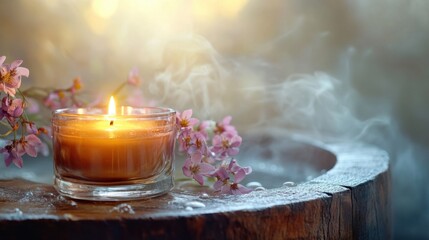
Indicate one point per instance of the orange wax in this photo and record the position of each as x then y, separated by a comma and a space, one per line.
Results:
107, 150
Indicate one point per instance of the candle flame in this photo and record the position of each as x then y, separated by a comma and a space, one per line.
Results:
112, 106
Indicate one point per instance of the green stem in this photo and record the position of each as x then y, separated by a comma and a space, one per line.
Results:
183, 179
35, 90
4, 124
23, 118
7, 133
23, 128
14, 134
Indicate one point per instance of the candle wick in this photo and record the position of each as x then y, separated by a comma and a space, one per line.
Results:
111, 123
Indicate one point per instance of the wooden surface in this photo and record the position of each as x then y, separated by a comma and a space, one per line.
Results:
350, 201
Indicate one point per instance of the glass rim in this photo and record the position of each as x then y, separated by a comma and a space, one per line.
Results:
91, 113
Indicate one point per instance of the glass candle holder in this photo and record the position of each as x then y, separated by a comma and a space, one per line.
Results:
113, 157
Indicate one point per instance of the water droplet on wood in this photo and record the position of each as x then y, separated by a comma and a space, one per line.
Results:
123, 208
195, 204
289, 184
254, 185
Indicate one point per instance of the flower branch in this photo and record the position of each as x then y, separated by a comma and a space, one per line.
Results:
12, 110
211, 161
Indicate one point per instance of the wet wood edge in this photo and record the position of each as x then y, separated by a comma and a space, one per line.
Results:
350, 201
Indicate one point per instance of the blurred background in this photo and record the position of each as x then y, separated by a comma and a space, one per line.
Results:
336, 70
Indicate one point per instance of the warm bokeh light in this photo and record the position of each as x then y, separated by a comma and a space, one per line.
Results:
211, 9
104, 8
100, 40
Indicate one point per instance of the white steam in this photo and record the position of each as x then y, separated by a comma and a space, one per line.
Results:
192, 76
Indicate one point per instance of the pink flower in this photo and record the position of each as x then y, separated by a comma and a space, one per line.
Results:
15, 109
233, 167
226, 144
29, 145
55, 100
11, 156
11, 109
184, 120
224, 186
13, 152
51, 101
10, 76
201, 161
197, 169
133, 77
222, 182
185, 140
32, 128
237, 188
190, 142
198, 144
225, 126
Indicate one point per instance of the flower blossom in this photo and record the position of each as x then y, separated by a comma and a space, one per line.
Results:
185, 140
10, 76
198, 144
61, 98
225, 186
237, 188
11, 156
29, 145
13, 152
11, 109
184, 120
55, 100
222, 177
191, 141
32, 128
194, 167
234, 168
225, 126
226, 144
211, 161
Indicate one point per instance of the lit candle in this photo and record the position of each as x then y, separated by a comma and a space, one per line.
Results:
102, 152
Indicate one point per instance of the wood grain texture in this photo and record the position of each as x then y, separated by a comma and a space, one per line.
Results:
350, 201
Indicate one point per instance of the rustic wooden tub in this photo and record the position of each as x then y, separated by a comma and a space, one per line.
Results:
350, 199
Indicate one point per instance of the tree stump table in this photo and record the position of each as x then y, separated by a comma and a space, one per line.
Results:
350, 199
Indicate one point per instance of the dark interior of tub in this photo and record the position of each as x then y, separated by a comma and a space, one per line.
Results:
276, 160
